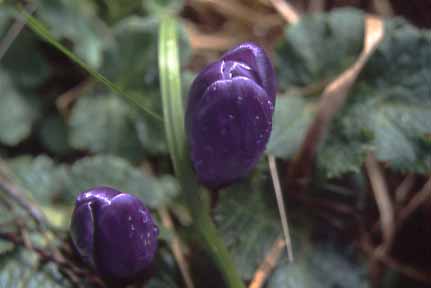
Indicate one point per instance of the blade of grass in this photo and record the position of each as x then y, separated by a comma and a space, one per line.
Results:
173, 112
44, 33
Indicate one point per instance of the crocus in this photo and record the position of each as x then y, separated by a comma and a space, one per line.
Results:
229, 115
114, 233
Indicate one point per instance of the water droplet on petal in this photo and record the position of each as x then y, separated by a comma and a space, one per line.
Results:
156, 230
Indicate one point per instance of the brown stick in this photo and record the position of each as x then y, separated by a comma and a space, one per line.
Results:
176, 247
384, 203
281, 207
333, 98
268, 265
15, 30
286, 10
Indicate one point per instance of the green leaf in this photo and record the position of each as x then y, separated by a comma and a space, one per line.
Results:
105, 124
151, 135
118, 173
24, 63
40, 176
248, 220
157, 7
292, 117
77, 22
44, 33
131, 59
320, 267
319, 47
167, 272
54, 134
389, 109
17, 113
21, 269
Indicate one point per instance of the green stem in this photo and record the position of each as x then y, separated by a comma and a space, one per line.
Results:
173, 112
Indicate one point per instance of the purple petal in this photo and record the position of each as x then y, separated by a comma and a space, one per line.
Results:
126, 237
82, 232
255, 57
230, 131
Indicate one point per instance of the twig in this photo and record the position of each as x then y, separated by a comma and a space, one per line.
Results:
65, 99
383, 7
286, 10
404, 189
16, 195
205, 41
177, 248
333, 98
411, 272
418, 199
384, 203
281, 207
317, 5
234, 9
67, 269
267, 266
15, 30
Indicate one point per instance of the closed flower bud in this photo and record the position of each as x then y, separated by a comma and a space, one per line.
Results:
229, 115
114, 233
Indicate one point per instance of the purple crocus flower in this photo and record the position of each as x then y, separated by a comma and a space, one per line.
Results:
114, 233
229, 115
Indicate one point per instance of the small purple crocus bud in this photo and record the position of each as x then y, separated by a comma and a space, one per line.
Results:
114, 233
229, 115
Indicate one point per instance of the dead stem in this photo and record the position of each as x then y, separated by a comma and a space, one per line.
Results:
333, 98
267, 266
15, 30
176, 247
383, 200
286, 10
281, 206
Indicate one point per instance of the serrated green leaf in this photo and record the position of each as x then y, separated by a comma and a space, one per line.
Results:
20, 269
45, 34
389, 109
17, 113
319, 47
167, 274
292, 116
249, 224
131, 59
77, 22
41, 177
118, 173
53, 134
105, 124
320, 267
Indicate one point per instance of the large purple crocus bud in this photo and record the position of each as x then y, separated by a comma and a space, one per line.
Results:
114, 233
229, 115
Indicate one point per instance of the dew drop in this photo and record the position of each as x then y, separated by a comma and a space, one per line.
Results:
257, 117
231, 116
156, 231
130, 218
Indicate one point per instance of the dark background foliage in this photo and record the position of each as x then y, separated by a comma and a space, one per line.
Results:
360, 218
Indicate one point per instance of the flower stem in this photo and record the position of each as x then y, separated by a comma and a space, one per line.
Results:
173, 113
